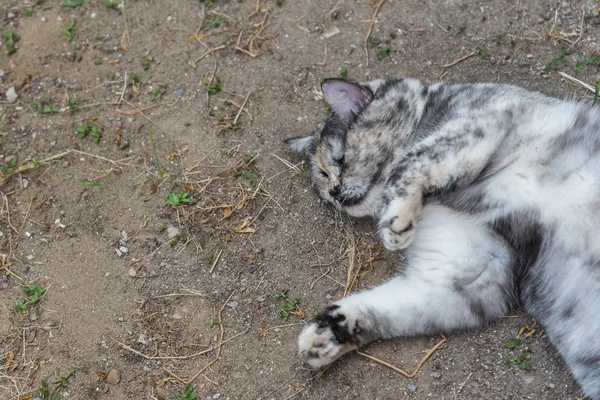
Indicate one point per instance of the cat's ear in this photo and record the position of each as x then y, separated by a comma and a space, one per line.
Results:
346, 98
301, 144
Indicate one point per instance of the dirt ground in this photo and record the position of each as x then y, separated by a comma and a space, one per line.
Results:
146, 220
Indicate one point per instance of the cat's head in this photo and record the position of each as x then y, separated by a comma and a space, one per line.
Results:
350, 152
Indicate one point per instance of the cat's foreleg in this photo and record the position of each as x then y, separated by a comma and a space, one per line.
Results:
457, 151
457, 277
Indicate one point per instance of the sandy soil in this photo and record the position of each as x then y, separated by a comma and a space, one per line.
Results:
138, 286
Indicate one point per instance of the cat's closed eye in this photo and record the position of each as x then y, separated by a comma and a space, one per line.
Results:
323, 174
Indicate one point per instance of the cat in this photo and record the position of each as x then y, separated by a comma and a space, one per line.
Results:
494, 193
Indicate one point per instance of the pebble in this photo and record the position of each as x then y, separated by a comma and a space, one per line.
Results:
232, 304
30, 257
261, 298
331, 32
59, 223
551, 385
119, 252
11, 95
1, 73
33, 316
11, 15
132, 272
28, 234
529, 55
143, 339
179, 92
172, 232
412, 388
328, 296
123, 249
94, 15
436, 375
113, 377
177, 316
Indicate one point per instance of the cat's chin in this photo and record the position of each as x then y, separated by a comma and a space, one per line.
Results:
370, 206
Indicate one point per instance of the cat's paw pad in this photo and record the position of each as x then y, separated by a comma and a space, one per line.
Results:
326, 339
396, 233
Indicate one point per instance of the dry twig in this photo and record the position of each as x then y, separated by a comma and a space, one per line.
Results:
366, 40
196, 61
401, 371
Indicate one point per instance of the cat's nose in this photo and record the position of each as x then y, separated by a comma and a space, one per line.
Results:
335, 192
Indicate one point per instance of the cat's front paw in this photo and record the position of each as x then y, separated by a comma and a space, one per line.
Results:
328, 337
397, 223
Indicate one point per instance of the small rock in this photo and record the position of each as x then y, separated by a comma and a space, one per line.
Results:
143, 339
261, 298
113, 377
11, 95
177, 316
132, 272
119, 252
25, 183
11, 15
123, 249
436, 375
65, 164
179, 92
33, 316
28, 234
331, 32
412, 388
1, 73
216, 396
172, 232
121, 319
551, 385
147, 369
529, 55
328, 296
94, 15
232, 304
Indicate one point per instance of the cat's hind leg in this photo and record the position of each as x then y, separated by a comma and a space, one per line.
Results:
457, 276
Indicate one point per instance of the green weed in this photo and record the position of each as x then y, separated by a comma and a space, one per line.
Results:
383, 52
112, 3
11, 164
511, 344
73, 105
343, 72
214, 87
554, 61
145, 63
69, 30
586, 62
28, 11
157, 94
177, 198
73, 3
40, 107
250, 177
187, 394
11, 38
214, 21
88, 129
33, 294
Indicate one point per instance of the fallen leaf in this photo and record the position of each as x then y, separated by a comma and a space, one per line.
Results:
11, 357
205, 221
227, 212
245, 227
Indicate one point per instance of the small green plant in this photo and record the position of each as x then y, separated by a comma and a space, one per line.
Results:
112, 3
479, 50
44, 391
461, 29
554, 61
10, 164
33, 294
40, 107
587, 61
11, 38
28, 11
288, 307
279, 2
213, 322
383, 52
73, 3
88, 129
145, 63
177, 198
521, 360
214, 21
214, 87
596, 89
343, 72
163, 227
250, 177
187, 394
157, 94
69, 30
134, 78
500, 36
237, 126
512, 344
373, 41
36, 160
282, 294
73, 105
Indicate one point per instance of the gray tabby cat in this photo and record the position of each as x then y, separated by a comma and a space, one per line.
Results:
494, 192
